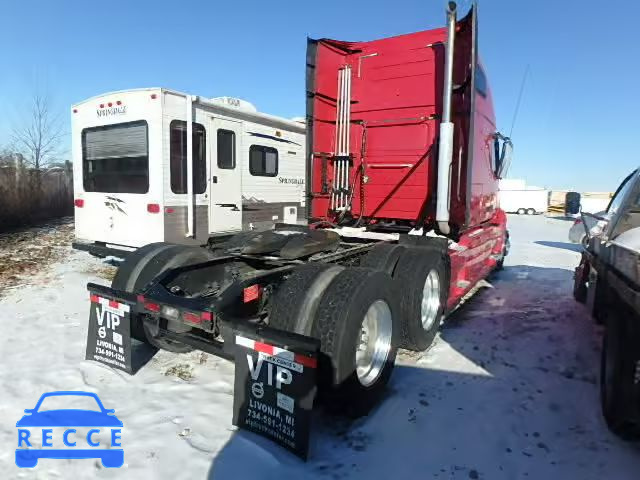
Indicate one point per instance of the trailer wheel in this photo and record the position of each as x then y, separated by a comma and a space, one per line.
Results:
357, 324
423, 275
521, 211
618, 367
384, 257
531, 211
142, 266
297, 298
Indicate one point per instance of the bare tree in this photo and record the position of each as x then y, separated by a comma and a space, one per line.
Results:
39, 140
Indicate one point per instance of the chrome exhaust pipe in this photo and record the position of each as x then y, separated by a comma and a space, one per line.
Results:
445, 150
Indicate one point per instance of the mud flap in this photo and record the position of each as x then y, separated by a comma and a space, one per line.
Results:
109, 333
275, 386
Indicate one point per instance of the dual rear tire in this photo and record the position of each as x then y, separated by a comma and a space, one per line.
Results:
354, 313
396, 299
422, 275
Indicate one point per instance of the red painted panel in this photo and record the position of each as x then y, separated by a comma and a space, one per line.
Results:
396, 98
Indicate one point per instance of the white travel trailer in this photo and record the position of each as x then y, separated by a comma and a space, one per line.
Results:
515, 197
156, 165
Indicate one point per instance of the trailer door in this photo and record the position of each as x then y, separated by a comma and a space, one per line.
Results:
225, 204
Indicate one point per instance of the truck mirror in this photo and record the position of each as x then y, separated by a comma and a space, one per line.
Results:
503, 153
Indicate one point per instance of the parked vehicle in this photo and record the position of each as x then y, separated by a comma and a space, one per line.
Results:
143, 173
581, 225
564, 203
396, 236
516, 197
608, 281
593, 202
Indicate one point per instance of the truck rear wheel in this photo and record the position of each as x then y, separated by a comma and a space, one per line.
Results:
423, 274
297, 298
619, 392
521, 211
531, 211
384, 257
140, 268
357, 324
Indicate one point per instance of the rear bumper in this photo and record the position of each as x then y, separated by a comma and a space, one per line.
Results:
100, 249
227, 326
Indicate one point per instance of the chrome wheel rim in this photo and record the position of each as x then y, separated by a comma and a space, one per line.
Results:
375, 342
430, 300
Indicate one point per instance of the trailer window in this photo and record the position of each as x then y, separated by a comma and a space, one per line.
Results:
481, 81
178, 157
115, 158
226, 149
263, 161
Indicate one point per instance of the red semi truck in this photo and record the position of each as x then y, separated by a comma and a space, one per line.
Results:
403, 220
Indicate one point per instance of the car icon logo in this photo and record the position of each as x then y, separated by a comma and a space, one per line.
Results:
39, 422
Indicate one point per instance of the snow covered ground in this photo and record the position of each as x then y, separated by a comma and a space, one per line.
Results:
509, 390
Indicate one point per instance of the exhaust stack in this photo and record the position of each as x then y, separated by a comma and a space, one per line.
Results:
445, 150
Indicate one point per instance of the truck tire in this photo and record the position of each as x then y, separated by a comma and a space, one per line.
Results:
141, 267
521, 211
580, 275
384, 257
531, 211
618, 390
357, 324
423, 275
505, 251
297, 298
128, 273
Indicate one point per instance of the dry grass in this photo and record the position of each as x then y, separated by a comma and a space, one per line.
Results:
25, 253
106, 272
183, 371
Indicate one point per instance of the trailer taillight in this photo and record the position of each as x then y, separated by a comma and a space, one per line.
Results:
153, 208
78, 202
251, 293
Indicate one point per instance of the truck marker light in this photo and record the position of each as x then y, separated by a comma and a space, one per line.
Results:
78, 202
153, 208
75, 110
102, 105
251, 293
169, 210
206, 316
153, 96
118, 102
